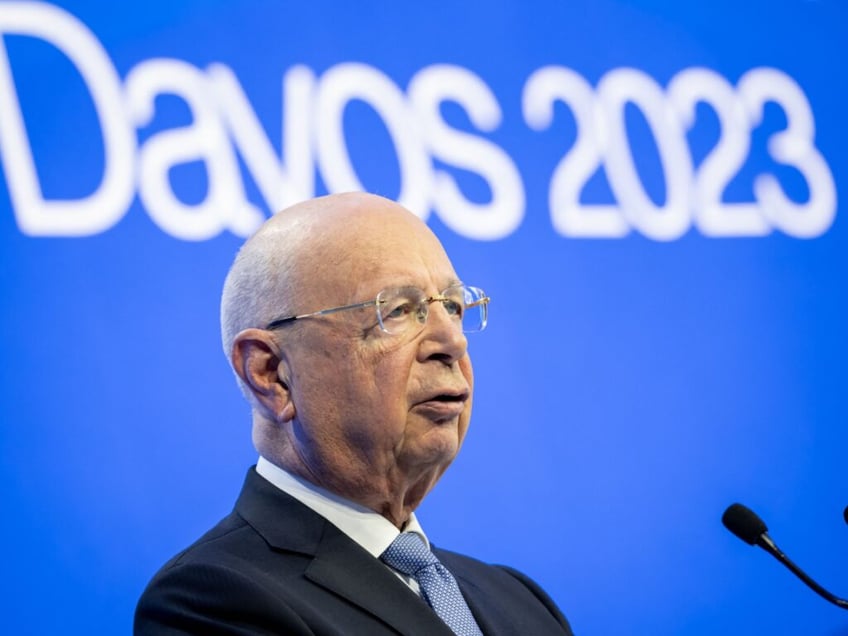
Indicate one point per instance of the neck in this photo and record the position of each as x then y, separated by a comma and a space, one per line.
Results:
392, 490
395, 500
393, 496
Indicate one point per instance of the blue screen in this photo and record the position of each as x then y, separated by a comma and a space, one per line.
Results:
649, 191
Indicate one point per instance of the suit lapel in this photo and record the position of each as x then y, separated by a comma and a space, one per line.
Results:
339, 564
481, 609
493, 616
361, 579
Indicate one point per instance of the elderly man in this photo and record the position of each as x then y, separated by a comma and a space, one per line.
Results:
345, 323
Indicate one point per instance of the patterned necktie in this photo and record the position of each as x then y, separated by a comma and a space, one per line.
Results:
409, 554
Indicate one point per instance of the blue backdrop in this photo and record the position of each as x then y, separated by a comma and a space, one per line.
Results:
649, 191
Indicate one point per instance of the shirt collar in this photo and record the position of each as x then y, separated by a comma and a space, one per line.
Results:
369, 529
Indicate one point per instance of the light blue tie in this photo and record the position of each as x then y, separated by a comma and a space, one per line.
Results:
409, 555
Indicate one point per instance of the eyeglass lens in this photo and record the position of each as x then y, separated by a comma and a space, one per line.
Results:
404, 309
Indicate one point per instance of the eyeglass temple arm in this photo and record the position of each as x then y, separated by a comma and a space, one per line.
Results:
281, 321
480, 301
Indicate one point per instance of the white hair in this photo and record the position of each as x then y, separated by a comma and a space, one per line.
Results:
256, 290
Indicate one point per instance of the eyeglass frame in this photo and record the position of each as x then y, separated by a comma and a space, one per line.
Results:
428, 300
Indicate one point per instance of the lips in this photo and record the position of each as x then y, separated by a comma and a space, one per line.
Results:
442, 405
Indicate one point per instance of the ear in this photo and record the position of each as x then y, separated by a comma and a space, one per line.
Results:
257, 361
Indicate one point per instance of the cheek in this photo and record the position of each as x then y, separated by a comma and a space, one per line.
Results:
467, 371
382, 354
390, 375
322, 382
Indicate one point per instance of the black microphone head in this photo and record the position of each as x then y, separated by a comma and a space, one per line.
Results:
744, 523
845, 514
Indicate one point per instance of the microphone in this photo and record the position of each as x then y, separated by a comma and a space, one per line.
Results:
746, 525
845, 514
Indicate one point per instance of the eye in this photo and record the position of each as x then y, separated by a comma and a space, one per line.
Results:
453, 307
398, 309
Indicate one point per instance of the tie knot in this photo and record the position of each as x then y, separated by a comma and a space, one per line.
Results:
408, 554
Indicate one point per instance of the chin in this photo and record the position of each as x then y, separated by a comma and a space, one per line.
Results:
440, 450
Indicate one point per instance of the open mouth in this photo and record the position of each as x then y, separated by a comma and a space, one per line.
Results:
446, 397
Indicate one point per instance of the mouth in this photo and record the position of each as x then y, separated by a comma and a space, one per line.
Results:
442, 406
450, 397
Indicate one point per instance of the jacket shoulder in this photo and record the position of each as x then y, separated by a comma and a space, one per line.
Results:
223, 578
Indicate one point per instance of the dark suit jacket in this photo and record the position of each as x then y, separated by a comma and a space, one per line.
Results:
274, 566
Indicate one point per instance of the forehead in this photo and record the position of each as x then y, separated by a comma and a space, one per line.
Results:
369, 250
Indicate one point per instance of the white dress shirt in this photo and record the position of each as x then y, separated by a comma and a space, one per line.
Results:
369, 529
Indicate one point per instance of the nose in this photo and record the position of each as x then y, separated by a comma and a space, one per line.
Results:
442, 337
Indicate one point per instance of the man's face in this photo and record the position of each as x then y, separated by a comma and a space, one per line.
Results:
372, 408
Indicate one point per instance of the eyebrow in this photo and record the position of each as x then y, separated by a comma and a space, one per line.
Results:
402, 283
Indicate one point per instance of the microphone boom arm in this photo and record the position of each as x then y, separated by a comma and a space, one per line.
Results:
745, 524
767, 544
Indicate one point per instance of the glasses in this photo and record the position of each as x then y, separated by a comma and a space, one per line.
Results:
404, 310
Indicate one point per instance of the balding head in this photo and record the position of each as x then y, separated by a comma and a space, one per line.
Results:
303, 247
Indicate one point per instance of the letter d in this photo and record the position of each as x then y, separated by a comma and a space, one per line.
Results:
99, 211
